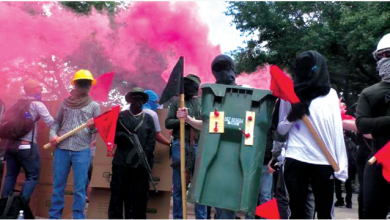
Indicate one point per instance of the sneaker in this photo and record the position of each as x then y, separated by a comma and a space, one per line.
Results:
349, 205
339, 203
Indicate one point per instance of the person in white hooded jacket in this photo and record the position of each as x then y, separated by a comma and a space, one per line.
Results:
305, 162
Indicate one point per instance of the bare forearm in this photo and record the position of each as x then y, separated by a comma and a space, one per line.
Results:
195, 123
161, 139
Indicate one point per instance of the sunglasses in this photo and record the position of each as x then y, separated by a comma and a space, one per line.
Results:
222, 65
383, 54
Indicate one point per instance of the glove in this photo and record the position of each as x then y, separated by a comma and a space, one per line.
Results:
298, 110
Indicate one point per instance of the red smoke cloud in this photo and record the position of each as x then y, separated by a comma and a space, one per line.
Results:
140, 44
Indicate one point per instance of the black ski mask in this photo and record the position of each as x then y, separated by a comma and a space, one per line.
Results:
190, 89
224, 70
311, 78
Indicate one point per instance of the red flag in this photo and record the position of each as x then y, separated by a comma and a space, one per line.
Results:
268, 210
99, 92
282, 86
343, 110
383, 158
106, 126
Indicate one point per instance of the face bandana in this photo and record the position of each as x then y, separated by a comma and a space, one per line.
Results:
224, 70
190, 89
383, 66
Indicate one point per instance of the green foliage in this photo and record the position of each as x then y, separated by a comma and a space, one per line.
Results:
346, 33
84, 7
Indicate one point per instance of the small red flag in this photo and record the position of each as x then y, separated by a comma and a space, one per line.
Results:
282, 86
100, 91
268, 210
106, 126
383, 158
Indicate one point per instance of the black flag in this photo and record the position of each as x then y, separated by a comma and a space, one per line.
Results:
175, 85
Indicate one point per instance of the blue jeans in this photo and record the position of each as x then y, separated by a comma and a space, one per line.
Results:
63, 160
266, 186
30, 160
265, 193
200, 210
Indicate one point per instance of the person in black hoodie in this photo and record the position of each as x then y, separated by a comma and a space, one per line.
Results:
130, 184
373, 117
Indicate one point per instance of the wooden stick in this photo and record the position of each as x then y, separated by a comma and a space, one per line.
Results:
183, 160
320, 143
372, 160
65, 136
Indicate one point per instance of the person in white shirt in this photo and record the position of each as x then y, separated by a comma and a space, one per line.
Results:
305, 162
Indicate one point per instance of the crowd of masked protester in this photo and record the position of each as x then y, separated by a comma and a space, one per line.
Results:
295, 170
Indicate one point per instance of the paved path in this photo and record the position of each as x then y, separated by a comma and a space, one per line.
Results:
340, 213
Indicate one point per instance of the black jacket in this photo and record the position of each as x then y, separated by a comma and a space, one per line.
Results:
146, 135
373, 114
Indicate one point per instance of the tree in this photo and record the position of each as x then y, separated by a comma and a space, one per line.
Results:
346, 33
84, 7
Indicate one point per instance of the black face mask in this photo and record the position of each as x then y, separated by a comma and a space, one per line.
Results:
137, 102
224, 70
83, 83
190, 89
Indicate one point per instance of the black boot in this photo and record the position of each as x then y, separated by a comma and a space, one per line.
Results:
339, 203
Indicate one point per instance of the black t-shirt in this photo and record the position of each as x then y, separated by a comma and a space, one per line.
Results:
146, 135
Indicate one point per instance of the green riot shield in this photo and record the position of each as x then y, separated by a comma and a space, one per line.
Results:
231, 147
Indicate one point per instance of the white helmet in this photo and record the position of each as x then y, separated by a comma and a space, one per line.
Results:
383, 44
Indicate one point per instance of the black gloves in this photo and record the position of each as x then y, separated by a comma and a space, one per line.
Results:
298, 110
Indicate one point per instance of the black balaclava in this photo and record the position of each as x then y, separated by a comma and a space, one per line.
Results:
224, 70
190, 89
311, 78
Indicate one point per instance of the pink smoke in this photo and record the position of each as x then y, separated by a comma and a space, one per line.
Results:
260, 79
139, 44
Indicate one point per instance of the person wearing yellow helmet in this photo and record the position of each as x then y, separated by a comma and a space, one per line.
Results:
77, 109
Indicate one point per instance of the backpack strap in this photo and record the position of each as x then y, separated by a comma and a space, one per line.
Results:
10, 200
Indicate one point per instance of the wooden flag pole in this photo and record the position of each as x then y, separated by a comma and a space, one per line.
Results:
65, 136
183, 160
320, 143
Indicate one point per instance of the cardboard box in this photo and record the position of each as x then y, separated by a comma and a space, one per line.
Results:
158, 204
99, 200
101, 176
43, 194
101, 153
161, 172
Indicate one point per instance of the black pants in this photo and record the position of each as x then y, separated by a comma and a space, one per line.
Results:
129, 187
376, 193
362, 155
297, 176
348, 189
348, 184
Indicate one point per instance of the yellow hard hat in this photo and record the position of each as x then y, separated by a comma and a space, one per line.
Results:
83, 74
